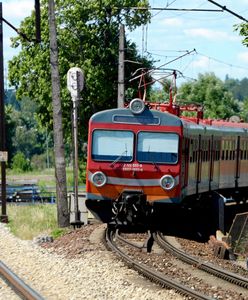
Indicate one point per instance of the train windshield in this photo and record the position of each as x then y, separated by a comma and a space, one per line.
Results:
157, 147
112, 145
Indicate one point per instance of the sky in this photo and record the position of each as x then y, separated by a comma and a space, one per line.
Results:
206, 40
171, 34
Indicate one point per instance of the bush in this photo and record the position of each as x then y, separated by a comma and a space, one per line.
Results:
39, 161
21, 163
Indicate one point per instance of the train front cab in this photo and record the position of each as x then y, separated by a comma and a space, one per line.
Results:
133, 165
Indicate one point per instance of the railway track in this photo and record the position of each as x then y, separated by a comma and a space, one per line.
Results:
150, 273
18, 285
207, 267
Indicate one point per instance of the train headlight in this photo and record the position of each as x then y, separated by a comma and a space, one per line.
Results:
99, 179
137, 106
167, 182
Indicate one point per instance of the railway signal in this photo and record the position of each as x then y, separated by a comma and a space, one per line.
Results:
75, 84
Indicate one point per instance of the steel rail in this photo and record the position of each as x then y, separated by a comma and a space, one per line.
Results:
155, 276
207, 267
133, 244
18, 285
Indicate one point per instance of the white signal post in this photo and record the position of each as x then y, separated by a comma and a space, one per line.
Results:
75, 84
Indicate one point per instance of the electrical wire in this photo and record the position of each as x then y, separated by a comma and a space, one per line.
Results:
197, 53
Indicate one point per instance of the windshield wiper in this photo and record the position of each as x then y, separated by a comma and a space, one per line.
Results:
118, 158
151, 158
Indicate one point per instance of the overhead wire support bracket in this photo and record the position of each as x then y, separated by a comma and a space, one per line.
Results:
16, 30
228, 10
37, 25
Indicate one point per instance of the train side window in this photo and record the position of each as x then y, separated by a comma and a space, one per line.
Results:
241, 150
223, 155
218, 150
217, 155
241, 154
223, 150
226, 154
208, 150
191, 152
203, 150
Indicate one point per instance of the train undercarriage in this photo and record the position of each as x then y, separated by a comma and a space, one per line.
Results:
196, 217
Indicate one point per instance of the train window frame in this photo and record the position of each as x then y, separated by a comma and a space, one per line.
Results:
116, 157
152, 160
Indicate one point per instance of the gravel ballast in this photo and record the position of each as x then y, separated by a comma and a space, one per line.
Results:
94, 273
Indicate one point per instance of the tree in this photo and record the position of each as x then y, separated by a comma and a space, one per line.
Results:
239, 88
210, 91
243, 31
87, 38
23, 133
60, 172
244, 109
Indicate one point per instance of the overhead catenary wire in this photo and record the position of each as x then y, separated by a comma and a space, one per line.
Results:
172, 9
196, 53
157, 68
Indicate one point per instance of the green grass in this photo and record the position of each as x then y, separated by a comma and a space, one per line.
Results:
29, 221
45, 178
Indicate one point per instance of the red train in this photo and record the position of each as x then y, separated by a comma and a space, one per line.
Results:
150, 167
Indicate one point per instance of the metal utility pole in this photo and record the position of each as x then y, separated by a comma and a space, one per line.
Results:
4, 217
121, 69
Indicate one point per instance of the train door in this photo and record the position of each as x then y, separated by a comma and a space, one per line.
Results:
185, 164
243, 162
237, 171
214, 163
192, 165
199, 165
228, 164
204, 164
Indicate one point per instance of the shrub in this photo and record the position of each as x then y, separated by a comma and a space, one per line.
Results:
21, 163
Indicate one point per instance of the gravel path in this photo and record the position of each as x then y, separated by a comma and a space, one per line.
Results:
93, 274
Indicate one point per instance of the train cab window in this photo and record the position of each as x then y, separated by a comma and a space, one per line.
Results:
157, 147
111, 145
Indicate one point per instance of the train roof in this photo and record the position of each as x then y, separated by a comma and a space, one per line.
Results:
125, 115
192, 126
